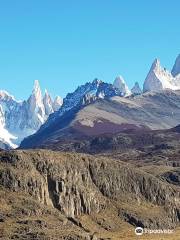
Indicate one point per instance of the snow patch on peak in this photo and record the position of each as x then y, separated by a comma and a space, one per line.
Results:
120, 84
5, 95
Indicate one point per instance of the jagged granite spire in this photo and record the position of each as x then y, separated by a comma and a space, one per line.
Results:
176, 68
120, 84
48, 103
58, 101
37, 93
36, 106
136, 90
158, 78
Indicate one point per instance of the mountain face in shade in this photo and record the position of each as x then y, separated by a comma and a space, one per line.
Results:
136, 90
176, 68
120, 84
160, 78
19, 119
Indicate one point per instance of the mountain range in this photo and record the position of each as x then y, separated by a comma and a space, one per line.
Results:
40, 114
19, 119
96, 165
97, 108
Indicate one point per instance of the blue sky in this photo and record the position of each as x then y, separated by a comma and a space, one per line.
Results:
64, 44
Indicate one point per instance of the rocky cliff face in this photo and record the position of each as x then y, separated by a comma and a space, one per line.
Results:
80, 184
53, 181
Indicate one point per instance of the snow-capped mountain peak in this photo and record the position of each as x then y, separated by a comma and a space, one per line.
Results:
36, 88
48, 103
19, 119
159, 78
36, 93
156, 63
36, 106
120, 84
58, 101
176, 68
5, 95
47, 95
136, 90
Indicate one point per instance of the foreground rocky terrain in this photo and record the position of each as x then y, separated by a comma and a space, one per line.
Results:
58, 195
